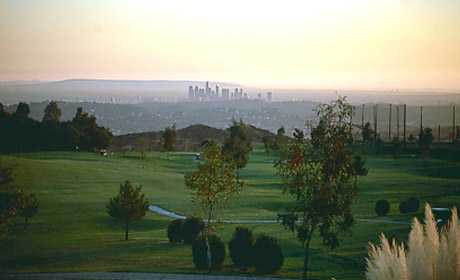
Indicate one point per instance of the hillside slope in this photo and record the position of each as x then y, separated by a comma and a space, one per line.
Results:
194, 135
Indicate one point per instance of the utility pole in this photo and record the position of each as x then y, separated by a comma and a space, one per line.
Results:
389, 125
439, 133
376, 108
362, 122
404, 133
421, 119
453, 125
397, 121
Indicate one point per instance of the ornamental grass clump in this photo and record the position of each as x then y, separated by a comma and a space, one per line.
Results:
431, 255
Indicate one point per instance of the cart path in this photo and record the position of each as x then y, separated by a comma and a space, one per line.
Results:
164, 212
124, 276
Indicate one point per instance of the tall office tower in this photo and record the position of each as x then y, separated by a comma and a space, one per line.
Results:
240, 94
225, 93
208, 91
197, 93
269, 96
259, 96
191, 93
245, 95
201, 95
213, 95
217, 91
235, 94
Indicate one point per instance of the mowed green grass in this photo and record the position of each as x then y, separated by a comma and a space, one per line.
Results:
72, 231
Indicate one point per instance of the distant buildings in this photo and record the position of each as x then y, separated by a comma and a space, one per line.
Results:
269, 96
195, 93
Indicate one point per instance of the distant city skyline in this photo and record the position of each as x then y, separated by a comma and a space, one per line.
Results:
328, 44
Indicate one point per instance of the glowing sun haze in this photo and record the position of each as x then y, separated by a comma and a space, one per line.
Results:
321, 44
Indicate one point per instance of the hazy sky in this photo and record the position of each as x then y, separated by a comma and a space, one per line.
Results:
311, 44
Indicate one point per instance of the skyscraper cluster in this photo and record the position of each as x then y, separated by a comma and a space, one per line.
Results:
195, 93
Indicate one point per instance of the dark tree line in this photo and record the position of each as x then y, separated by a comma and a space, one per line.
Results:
20, 133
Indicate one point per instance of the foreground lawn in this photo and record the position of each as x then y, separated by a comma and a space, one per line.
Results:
72, 231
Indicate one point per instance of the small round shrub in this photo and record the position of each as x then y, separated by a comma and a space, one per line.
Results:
191, 228
175, 231
409, 206
199, 251
382, 207
413, 204
242, 247
268, 255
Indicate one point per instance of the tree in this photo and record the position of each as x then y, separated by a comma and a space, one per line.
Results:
128, 206
319, 174
52, 112
169, 137
425, 138
238, 145
280, 139
11, 200
213, 184
22, 111
367, 132
30, 210
268, 143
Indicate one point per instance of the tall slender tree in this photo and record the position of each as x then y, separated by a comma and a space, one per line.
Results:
320, 175
238, 145
169, 139
212, 184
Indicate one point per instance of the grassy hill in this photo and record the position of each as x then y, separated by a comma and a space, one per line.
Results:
194, 134
73, 232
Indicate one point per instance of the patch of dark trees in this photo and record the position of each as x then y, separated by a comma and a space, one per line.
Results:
20, 133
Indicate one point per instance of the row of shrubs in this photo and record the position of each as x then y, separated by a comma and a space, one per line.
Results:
265, 253
382, 206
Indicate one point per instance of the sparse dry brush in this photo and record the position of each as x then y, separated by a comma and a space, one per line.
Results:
431, 255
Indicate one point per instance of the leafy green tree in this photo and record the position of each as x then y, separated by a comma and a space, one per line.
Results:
319, 174
30, 209
11, 200
22, 111
86, 134
212, 184
169, 139
52, 112
280, 139
128, 206
425, 138
268, 143
238, 145
367, 132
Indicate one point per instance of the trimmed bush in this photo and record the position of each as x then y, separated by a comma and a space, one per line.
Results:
403, 207
268, 255
175, 231
382, 207
409, 206
199, 251
414, 204
242, 247
191, 228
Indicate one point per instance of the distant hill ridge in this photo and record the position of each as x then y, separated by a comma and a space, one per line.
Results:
119, 83
194, 134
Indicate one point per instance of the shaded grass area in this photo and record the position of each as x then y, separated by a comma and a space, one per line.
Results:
72, 231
